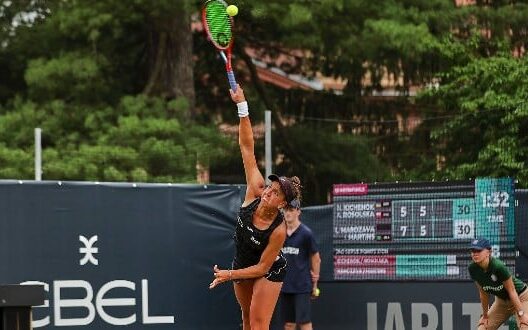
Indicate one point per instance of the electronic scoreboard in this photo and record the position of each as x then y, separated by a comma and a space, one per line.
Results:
420, 231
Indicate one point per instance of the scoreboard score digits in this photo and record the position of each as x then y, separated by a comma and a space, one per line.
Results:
403, 231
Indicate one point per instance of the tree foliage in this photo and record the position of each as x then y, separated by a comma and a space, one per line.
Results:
331, 158
125, 91
354, 39
485, 135
415, 43
141, 139
80, 69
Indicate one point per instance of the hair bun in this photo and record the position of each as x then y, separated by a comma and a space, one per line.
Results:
295, 180
297, 186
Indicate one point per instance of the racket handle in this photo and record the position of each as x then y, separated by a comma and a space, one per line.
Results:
232, 80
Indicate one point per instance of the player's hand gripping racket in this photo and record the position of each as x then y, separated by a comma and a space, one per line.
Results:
218, 26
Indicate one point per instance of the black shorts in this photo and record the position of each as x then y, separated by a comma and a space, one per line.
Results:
296, 307
276, 273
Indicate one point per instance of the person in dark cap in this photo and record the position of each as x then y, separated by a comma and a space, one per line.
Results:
258, 268
304, 265
493, 277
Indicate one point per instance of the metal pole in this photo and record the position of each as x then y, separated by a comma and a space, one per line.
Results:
38, 154
267, 122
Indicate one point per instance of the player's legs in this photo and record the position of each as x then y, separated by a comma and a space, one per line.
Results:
263, 301
243, 293
498, 313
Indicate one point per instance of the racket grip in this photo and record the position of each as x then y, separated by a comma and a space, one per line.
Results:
232, 80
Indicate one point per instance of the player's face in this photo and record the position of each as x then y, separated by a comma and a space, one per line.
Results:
273, 195
479, 255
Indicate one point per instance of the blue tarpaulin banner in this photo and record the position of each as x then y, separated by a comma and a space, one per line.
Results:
109, 255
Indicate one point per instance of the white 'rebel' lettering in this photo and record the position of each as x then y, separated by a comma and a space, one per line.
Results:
100, 302
89, 308
147, 319
45, 321
85, 302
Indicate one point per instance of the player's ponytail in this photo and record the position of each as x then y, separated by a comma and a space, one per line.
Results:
297, 187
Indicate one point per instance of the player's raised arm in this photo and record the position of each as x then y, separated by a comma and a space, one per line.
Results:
254, 179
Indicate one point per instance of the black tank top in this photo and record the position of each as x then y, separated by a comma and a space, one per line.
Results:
250, 241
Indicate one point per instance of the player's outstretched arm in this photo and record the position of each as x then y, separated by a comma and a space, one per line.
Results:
254, 180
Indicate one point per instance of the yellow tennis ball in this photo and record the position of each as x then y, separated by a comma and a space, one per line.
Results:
317, 292
232, 10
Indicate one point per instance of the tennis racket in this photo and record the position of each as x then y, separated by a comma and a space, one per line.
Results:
218, 26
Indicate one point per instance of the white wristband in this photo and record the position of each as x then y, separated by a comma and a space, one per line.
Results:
243, 109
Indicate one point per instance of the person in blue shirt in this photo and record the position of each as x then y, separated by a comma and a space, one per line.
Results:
304, 264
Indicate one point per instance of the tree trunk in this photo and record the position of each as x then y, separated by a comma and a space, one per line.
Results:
170, 59
354, 85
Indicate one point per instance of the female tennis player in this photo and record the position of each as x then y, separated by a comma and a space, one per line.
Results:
258, 266
492, 277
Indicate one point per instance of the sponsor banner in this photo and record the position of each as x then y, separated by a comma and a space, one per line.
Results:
121, 256
368, 305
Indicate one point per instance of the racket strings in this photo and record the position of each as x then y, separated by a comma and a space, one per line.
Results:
218, 23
